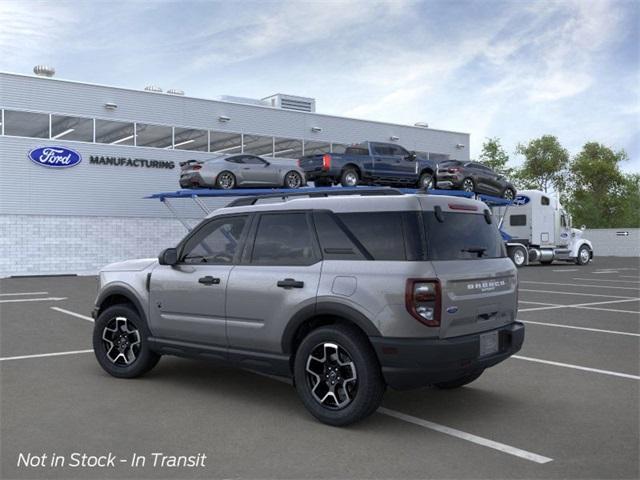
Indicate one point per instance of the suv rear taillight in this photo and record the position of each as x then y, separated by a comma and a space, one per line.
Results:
453, 170
299, 162
196, 167
422, 298
326, 161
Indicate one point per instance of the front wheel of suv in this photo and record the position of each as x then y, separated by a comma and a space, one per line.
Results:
337, 375
120, 342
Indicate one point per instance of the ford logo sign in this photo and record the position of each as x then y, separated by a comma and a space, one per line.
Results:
55, 157
452, 309
521, 200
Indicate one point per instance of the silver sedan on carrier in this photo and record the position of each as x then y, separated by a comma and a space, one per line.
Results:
241, 170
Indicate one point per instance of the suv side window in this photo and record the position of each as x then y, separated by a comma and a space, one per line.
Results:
284, 239
252, 160
215, 243
336, 242
380, 233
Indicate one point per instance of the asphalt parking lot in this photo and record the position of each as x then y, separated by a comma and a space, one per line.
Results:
567, 406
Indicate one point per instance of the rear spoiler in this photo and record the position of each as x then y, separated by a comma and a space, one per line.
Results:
188, 162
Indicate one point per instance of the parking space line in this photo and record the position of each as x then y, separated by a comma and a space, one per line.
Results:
604, 280
541, 303
577, 367
73, 314
609, 310
597, 330
40, 355
469, 437
582, 285
47, 299
23, 293
628, 276
576, 293
581, 305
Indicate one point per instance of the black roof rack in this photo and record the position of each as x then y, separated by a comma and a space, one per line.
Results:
329, 192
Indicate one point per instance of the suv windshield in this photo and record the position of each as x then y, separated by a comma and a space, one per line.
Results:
462, 236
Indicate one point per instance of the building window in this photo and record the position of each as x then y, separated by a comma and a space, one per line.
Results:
315, 148
26, 124
258, 145
114, 133
157, 136
287, 148
225, 142
190, 139
71, 128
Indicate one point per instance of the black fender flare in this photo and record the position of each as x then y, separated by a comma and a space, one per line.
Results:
326, 309
121, 291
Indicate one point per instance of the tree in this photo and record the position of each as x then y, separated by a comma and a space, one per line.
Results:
494, 156
600, 195
545, 163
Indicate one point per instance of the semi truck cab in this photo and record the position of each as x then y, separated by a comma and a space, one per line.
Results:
539, 229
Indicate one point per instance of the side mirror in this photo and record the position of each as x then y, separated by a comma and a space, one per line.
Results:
169, 256
412, 156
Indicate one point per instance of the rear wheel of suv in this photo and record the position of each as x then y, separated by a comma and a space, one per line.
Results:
468, 185
337, 375
226, 180
508, 194
120, 342
349, 178
459, 382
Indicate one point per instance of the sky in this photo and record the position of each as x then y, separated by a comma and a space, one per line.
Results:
509, 69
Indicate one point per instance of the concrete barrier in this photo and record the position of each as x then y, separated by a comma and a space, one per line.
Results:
614, 242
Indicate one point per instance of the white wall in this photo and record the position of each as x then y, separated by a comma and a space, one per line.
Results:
608, 242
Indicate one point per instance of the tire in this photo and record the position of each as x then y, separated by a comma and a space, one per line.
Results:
226, 180
508, 194
322, 182
426, 181
518, 256
459, 382
292, 180
354, 398
584, 255
134, 358
468, 185
349, 177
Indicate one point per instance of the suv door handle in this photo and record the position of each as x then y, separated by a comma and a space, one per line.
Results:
290, 283
209, 280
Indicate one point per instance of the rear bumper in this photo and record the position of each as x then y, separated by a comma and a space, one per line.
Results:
411, 363
190, 180
448, 181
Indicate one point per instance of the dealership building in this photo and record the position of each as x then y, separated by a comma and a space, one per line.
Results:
126, 145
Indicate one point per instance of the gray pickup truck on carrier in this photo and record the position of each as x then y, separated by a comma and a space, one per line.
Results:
346, 292
370, 163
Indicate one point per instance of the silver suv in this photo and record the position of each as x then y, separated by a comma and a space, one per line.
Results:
345, 294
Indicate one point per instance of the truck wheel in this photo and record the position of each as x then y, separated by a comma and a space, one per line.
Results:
120, 342
426, 181
459, 382
584, 255
518, 256
468, 185
337, 375
349, 178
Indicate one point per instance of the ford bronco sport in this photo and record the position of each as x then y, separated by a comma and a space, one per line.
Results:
346, 295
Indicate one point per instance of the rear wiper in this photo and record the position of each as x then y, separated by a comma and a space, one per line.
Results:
479, 250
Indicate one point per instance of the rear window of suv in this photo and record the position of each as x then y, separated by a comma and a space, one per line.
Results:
462, 236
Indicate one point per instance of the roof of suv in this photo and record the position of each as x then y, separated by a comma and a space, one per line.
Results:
355, 203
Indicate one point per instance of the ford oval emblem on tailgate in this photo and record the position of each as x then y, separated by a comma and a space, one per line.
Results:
452, 309
55, 157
